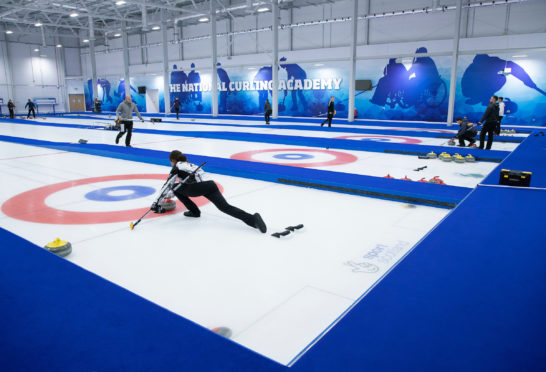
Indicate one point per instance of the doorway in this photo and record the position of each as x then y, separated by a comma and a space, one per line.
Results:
77, 102
152, 101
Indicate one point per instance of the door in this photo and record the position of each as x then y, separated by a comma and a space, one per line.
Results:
77, 102
152, 101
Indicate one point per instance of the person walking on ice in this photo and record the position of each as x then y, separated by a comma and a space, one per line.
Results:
31, 108
198, 185
125, 109
330, 114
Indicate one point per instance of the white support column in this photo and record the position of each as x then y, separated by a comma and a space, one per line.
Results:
61, 78
367, 23
275, 62
455, 57
214, 90
354, 36
8, 72
92, 57
166, 77
126, 59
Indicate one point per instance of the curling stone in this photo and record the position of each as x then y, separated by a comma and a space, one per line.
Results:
445, 157
388, 176
168, 204
82, 141
437, 180
405, 178
458, 158
432, 155
223, 331
59, 247
470, 159
451, 142
423, 180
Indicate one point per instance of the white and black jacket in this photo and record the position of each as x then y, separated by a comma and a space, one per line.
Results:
184, 169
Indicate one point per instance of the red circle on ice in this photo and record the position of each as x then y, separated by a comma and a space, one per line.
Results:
339, 157
392, 139
30, 205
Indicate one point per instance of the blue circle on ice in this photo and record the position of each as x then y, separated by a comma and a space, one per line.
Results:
376, 139
293, 156
120, 193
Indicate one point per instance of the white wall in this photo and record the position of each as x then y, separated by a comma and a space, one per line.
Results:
37, 74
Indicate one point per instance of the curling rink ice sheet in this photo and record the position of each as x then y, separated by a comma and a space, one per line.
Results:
358, 162
184, 126
276, 295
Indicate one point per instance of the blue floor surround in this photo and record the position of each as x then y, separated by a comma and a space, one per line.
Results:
470, 296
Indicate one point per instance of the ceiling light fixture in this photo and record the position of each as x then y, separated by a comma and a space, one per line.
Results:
203, 19
37, 24
85, 40
262, 9
155, 28
9, 32
74, 14
120, 2
117, 35
36, 49
59, 45
520, 56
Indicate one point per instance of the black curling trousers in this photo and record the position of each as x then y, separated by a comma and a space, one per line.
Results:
489, 129
127, 126
209, 190
328, 119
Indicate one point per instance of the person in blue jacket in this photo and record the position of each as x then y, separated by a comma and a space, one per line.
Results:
31, 108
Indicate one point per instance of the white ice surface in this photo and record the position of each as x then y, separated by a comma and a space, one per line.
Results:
367, 163
276, 295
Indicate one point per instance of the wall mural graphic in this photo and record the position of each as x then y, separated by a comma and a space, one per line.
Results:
303, 90
519, 82
403, 88
112, 98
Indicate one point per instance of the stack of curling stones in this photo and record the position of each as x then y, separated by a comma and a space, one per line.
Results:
59, 247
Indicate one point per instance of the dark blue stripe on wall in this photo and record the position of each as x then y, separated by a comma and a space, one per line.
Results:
58, 317
328, 143
405, 191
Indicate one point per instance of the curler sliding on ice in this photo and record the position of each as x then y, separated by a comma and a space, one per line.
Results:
164, 193
195, 183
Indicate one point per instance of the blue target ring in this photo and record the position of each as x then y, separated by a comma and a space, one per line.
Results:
293, 156
104, 193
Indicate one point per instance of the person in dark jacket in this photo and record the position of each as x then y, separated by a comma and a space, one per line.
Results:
467, 132
490, 119
267, 111
31, 108
176, 106
11, 107
331, 113
198, 185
